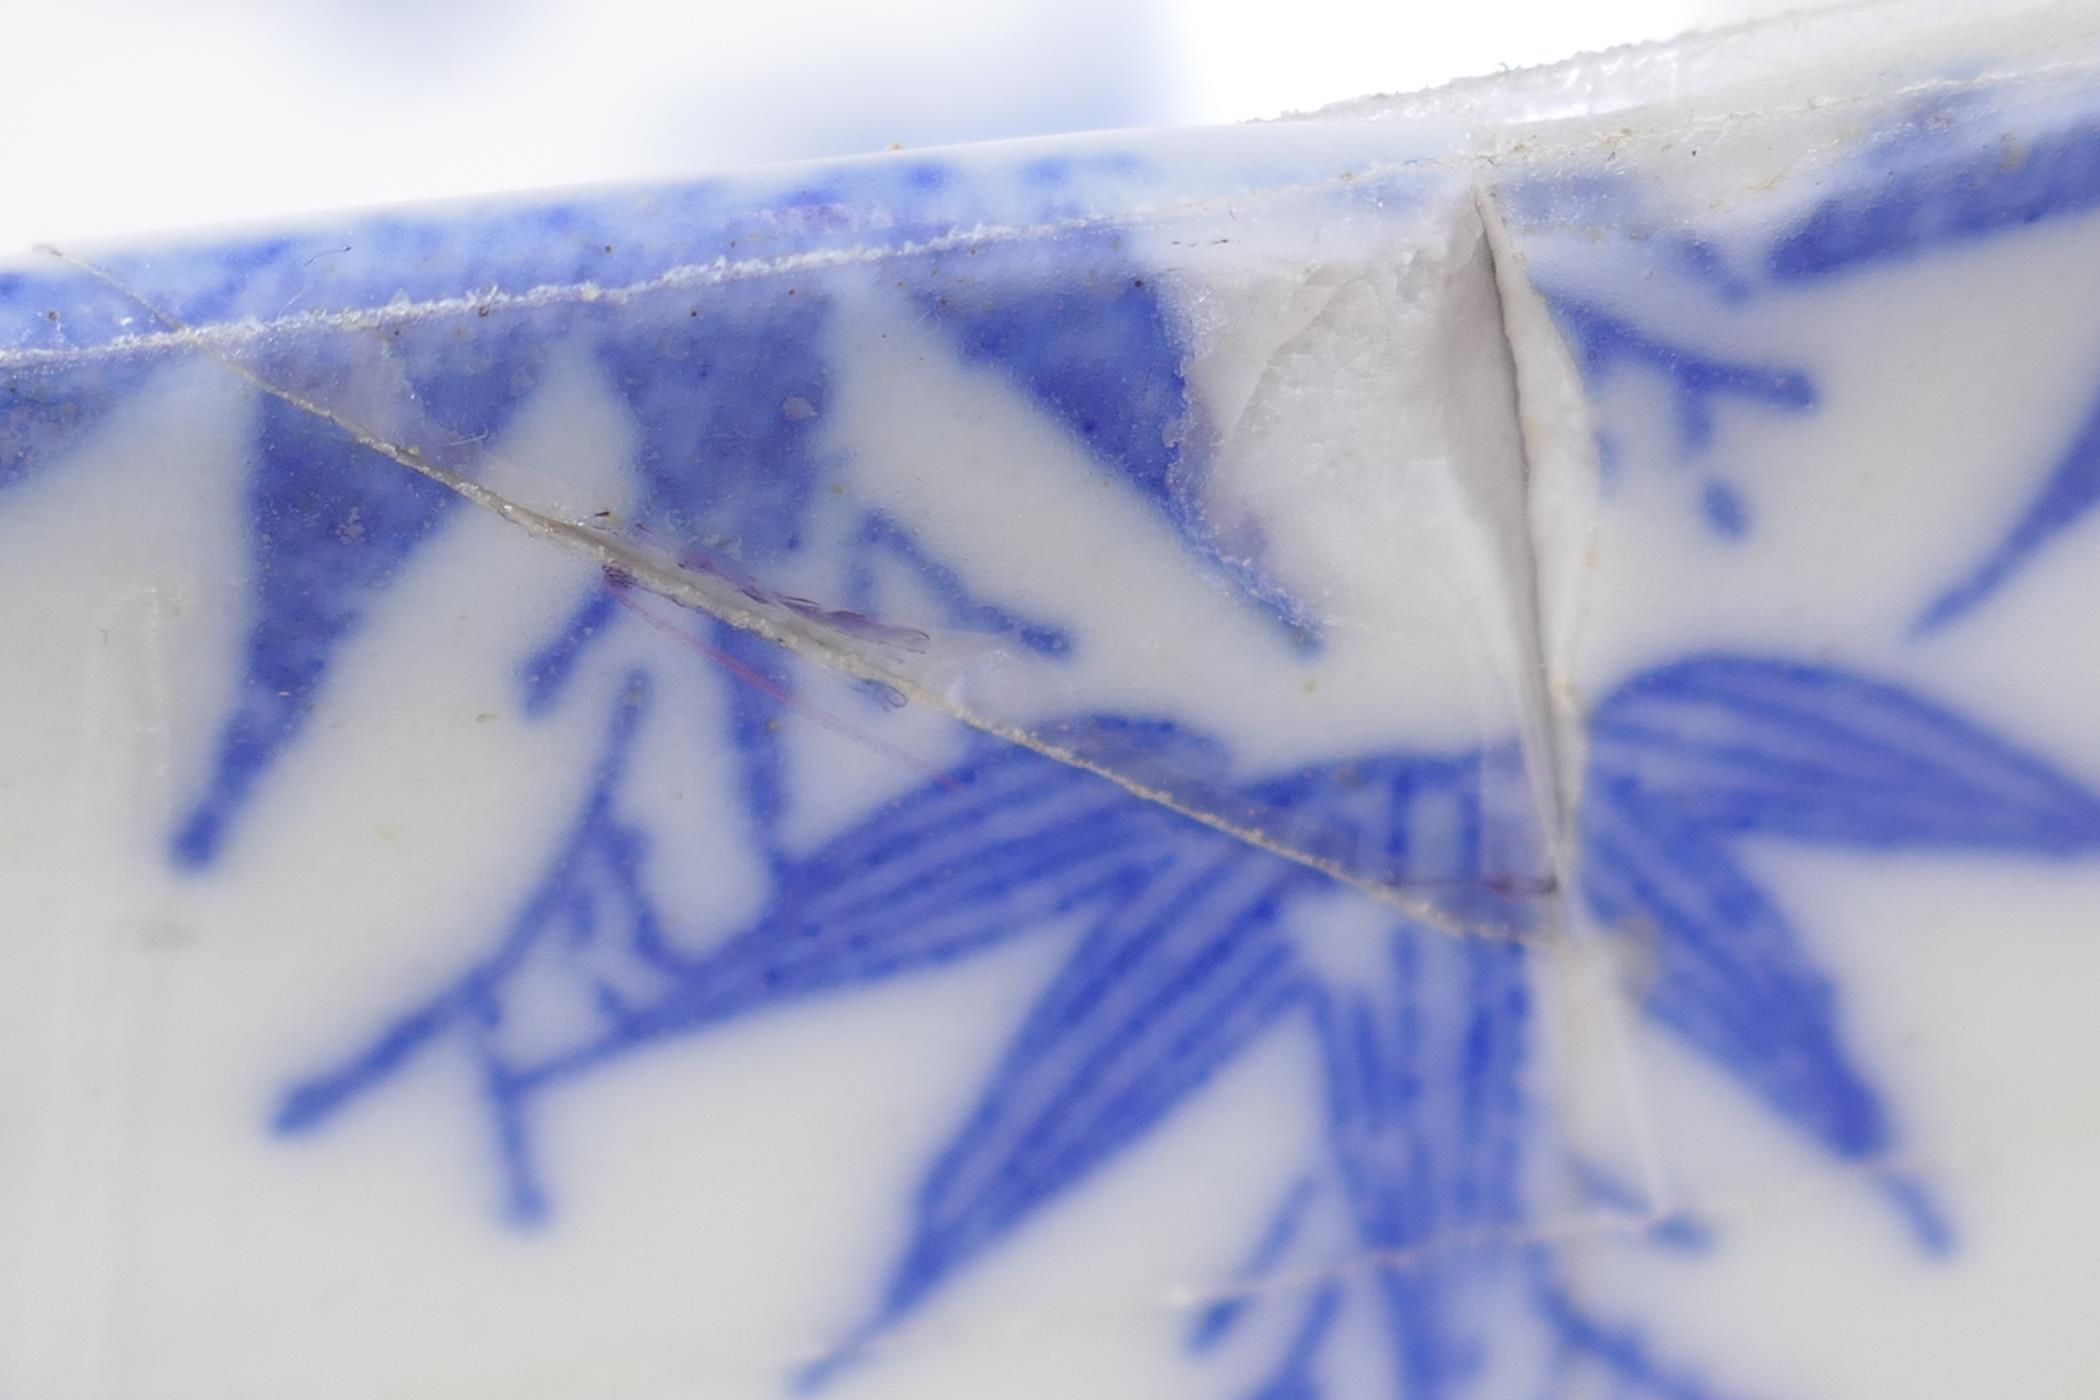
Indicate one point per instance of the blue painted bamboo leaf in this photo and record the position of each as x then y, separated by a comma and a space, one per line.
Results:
332, 522
1748, 745
1971, 192
1698, 380
1217, 1321
1462, 831
1172, 984
602, 855
1728, 974
1382, 1133
981, 854
46, 411
2070, 493
730, 391
331, 525
1082, 329
1427, 1124
1625, 1359
1076, 325
985, 853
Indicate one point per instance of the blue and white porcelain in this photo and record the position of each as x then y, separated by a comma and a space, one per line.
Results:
1443, 751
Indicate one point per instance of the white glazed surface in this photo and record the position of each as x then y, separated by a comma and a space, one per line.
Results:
1297, 438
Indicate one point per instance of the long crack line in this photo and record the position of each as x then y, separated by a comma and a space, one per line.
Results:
796, 634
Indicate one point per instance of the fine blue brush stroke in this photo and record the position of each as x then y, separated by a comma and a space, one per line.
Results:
1948, 173
1676, 1230
1689, 757
1080, 327
1923, 204
1429, 1132
331, 525
1942, 186
1604, 342
2067, 497
1216, 1323
1698, 381
882, 536
46, 412
730, 407
1585, 201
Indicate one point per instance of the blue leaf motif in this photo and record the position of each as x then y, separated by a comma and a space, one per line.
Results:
1743, 745
1958, 175
1993, 186
730, 394
45, 412
1698, 380
727, 395
1433, 1143
1004, 843
1730, 976
986, 853
1692, 755
1179, 976
331, 524
1090, 339
1403, 1154
2066, 497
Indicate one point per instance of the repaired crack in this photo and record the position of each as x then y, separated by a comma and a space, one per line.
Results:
836, 641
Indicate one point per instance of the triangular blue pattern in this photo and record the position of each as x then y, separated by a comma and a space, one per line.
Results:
331, 524
46, 412
1091, 341
2067, 496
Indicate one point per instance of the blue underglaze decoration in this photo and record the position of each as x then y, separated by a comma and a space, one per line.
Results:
1430, 1164
45, 413
1089, 339
55, 307
592, 894
1929, 197
547, 672
882, 537
1084, 335
730, 404
331, 524
729, 393
1698, 383
1995, 186
1725, 512
1430, 1145
1688, 758
1951, 171
626, 238
1705, 264
1216, 1322
731, 397
1741, 746
2069, 494
1678, 1229
1588, 203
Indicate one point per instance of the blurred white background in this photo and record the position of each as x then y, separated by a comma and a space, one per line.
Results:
135, 115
